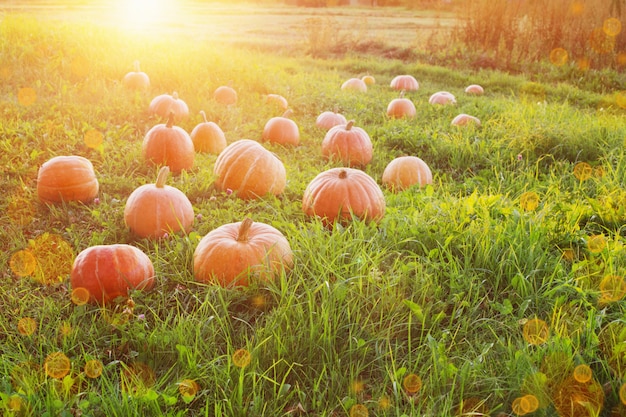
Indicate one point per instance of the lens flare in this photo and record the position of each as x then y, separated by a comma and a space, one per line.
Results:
612, 26
582, 373
536, 331
359, 410
57, 365
582, 171
188, 388
612, 288
559, 56
241, 358
80, 296
23, 263
93, 368
93, 139
596, 243
26, 326
529, 201
412, 383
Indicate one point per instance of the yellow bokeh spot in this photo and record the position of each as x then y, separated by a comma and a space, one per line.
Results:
54, 258
384, 402
20, 209
57, 365
26, 326
80, 296
622, 393
600, 42
529, 201
558, 56
612, 288
93, 368
577, 8
359, 410
582, 373
65, 329
583, 171
188, 388
15, 403
572, 398
536, 331
412, 383
357, 386
23, 263
583, 64
80, 66
137, 378
596, 243
620, 99
26, 96
525, 405
612, 26
242, 358
93, 139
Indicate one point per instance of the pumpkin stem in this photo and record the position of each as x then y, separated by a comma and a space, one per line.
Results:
287, 113
244, 229
343, 174
136, 66
204, 116
350, 124
170, 120
162, 176
402, 93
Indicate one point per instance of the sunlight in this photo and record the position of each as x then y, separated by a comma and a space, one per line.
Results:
142, 14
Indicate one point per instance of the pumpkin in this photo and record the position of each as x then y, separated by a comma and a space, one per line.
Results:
465, 120
349, 144
136, 80
111, 271
339, 194
67, 178
235, 253
474, 89
247, 167
405, 82
225, 95
163, 105
368, 80
355, 84
329, 119
282, 130
401, 107
166, 144
155, 210
405, 171
208, 137
443, 98
277, 99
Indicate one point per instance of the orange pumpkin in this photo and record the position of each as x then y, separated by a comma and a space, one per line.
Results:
465, 120
475, 89
328, 119
349, 144
165, 104
111, 271
225, 95
246, 167
443, 98
137, 79
67, 178
277, 99
208, 137
405, 82
154, 210
166, 144
354, 84
401, 107
405, 171
339, 194
282, 130
235, 253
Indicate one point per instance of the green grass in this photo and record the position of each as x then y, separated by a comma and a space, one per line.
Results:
440, 287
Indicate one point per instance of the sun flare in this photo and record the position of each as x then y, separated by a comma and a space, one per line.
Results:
140, 14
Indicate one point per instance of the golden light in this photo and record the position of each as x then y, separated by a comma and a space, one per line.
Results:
241, 358
26, 326
93, 368
142, 14
57, 365
536, 331
612, 26
558, 56
583, 373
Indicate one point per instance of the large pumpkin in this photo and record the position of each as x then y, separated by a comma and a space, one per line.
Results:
405, 171
154, 210
165, 104
233, 253
166, 144
137, 79
208, 137
246, 167
401, 107
111, 271
282, 130
349, 144
225, 95
67, 178
405, 82
339, 194
329, 119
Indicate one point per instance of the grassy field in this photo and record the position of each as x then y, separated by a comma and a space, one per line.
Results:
497, 290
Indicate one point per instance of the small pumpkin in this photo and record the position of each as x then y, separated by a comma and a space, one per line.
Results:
154, 210
349, 144
401, 107
404, 82
465, 120
329, 119
163, 105
225, 95
234, 253
368, 80
246, 167
137, 79
111, 271
354, 84
339, 194
166, 144
67, 178
475, 89
442, 98
208, 137
282, 130
405, 171
278, 100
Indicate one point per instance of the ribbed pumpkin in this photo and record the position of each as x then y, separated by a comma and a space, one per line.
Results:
225, 95
208, 137
401, 107
354, 84
234, 254
442, 98
154, 210
465, 120
405, 82
278, 100
339, 194
166, 144
405, 171
282, 130
67, 178
349, 144
165, 104
475, 89
137, 79
329, 119
246, 167
111, 271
